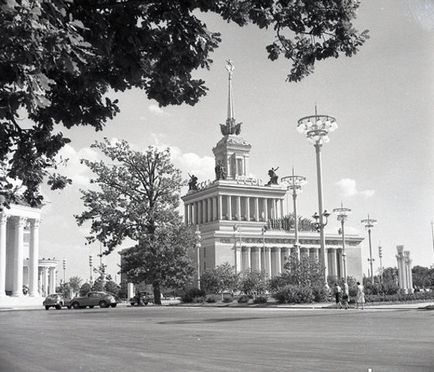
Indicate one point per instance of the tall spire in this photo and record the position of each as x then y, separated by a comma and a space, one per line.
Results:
230, 68
230, 127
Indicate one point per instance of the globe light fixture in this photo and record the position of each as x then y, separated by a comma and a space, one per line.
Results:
295, 184
316, 128
342, 215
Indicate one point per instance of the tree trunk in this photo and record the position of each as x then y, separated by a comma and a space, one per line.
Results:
157, 293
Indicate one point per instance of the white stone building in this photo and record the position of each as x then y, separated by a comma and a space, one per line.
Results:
232, 210
19, 238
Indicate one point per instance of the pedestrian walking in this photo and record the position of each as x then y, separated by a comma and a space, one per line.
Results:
360, 299
346, 296
338, 295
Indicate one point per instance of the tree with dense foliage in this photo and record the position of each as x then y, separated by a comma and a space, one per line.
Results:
75, 283
138, 199
423, 277
85, 289
59, 59
219, 279
306, 271
253, 283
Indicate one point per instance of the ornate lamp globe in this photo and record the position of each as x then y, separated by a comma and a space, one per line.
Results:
317, 127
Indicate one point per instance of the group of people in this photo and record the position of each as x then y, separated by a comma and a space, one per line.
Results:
342, 296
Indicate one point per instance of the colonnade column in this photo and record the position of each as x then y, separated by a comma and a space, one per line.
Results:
52, 280
247, 209
265, 209
3, 221
33, 257
17, 285
209, 206
220, 208
269, 262
249, 258
257, 209
238, 199
229, 207
45, 276
214, 209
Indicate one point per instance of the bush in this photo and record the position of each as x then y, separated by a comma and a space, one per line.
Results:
243, 299
198, 300
260, 300
212, 298
227, 298
294, 294
320, 294
191, 294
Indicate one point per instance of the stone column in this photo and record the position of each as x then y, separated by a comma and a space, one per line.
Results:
214, 209
335, 262
34, 258
52, 285
17, 284
279, 260
3, 221
282, 213
229, 208
186, 214
40, 281
257, 209
45, 275
332, 264
209, 200
239, 256
269, 271
220, 208
249, 258
400, 259
247, 209
238, 199
256, 259
192, 214
265, 209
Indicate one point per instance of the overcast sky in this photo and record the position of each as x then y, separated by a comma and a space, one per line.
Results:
379, 161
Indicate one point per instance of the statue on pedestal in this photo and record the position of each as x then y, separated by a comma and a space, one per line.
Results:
220, 172
273, 176
192, 184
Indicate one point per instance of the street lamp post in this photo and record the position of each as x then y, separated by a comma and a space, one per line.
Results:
342, 215
90, 269
294, 184
316, 128
380, 255
198, 245
369, 224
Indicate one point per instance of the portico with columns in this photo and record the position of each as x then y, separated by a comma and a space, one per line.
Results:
232, 210
19, 235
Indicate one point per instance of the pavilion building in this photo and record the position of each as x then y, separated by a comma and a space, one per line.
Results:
240, 218
19, 234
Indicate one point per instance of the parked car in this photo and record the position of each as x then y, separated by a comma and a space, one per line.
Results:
140, 299
54, 300
101, 299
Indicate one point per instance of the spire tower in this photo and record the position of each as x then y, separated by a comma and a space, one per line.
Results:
230, 127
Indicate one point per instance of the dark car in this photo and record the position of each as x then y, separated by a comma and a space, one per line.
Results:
54, 300
101, 299
140, 299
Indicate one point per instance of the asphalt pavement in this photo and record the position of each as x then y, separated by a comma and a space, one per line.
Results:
217, 339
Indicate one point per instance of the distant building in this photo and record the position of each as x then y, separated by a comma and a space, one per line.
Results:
232, 210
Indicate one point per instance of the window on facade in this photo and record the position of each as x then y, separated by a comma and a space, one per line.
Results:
240, 167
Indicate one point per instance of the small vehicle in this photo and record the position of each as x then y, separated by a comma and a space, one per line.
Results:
140, 299
54, 300
101, 299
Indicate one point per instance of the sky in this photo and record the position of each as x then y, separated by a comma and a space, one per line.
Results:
378, 162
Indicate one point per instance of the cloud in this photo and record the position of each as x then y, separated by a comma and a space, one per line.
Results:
348, 187
79, 173
157, 110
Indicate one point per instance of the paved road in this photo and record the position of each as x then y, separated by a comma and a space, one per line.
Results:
216, 339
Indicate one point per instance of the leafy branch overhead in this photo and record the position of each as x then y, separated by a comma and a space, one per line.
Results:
59, 59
